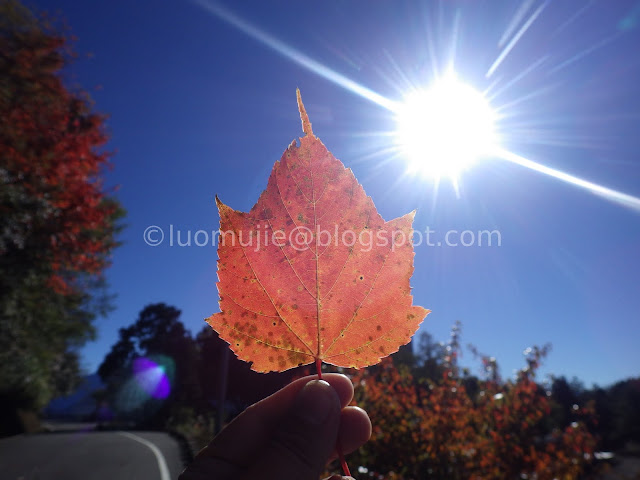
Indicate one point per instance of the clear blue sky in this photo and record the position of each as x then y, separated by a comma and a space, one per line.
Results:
198, 107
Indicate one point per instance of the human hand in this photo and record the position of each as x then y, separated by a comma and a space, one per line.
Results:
290, 435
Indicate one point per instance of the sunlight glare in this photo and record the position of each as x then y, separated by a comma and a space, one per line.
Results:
610, 194
444, 129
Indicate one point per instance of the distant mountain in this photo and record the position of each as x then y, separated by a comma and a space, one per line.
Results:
80, 404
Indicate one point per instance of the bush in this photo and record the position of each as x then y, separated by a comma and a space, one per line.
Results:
456, 426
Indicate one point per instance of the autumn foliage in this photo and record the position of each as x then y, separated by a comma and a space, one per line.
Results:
313, 273
55, 211
460, 427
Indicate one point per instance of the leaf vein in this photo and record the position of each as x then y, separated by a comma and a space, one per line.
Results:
271, 299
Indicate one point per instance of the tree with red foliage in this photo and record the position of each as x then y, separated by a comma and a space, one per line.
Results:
440, 428
57, 223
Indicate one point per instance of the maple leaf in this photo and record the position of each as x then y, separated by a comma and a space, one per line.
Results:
313, 272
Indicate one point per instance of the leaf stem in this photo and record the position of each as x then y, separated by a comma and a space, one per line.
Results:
343, 462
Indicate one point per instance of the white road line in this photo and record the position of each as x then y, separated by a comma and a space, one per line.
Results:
162, 464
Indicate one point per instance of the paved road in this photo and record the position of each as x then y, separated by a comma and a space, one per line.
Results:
89, 455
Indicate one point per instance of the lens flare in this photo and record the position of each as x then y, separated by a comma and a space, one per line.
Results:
149, 385
443, 130
292, 54
151, 377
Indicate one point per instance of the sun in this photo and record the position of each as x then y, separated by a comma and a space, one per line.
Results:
445, 128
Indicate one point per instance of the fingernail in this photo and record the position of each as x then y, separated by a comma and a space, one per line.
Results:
316, 401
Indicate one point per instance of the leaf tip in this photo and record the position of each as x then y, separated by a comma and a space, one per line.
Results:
221, 206
306, 124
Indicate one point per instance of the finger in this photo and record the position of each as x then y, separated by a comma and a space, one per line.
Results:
304, 438
354, 430
242, 440
275, 404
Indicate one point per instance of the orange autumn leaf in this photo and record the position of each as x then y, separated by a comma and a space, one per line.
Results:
313, 272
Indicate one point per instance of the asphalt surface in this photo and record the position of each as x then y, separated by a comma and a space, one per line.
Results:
90, 455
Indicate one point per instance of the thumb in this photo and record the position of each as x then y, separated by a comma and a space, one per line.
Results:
304, 438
